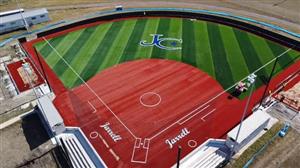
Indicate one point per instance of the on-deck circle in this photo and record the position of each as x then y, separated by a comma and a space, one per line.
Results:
192, 143
94, 134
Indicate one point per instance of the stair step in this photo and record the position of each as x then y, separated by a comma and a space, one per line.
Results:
208, 162
215, 162
78, 155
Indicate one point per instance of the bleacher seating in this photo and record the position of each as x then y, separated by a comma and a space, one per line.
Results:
208, 155
78, 156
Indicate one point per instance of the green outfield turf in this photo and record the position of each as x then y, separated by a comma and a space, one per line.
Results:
227, 54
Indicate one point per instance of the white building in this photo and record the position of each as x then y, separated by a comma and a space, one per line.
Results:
14, 20
251, 127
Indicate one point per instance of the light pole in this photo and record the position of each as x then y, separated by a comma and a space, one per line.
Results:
268, 82
24, 20
178, 156
251, 83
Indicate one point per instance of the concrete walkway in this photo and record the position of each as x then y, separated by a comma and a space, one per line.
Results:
14, 120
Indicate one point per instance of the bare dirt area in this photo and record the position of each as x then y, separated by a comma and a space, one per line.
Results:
25, 144
283, 152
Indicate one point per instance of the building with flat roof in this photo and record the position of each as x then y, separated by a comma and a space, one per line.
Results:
20, 19
251, 127
51, 115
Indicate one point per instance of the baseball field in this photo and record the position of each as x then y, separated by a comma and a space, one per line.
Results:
148, 79
227, 54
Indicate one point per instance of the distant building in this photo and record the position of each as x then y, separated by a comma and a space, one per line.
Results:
13, 20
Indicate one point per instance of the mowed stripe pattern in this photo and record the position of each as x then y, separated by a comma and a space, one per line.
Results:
225, 53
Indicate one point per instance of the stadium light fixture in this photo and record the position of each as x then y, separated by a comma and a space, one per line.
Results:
178, 156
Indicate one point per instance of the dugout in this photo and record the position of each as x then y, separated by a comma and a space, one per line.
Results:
51, 116
251, 127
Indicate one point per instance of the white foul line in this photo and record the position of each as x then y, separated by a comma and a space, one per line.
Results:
88, 86
94, 109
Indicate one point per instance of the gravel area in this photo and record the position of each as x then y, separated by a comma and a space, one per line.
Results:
283, 153
24, 141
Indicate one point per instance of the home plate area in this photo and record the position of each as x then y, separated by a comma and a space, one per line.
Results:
136, 114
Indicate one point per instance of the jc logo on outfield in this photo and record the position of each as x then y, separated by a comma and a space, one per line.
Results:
163, 43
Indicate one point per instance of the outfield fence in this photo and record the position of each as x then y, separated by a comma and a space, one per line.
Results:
153, 11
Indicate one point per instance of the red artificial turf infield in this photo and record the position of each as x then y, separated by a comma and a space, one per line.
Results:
184, 92
226, 116
145, 102
21, 86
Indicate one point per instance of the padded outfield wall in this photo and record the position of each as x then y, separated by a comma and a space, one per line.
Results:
278, 38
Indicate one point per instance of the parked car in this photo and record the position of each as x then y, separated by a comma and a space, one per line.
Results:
284, 129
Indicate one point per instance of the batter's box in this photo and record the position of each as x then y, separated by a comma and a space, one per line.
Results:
140, 150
